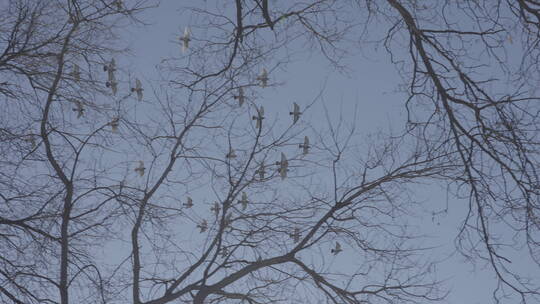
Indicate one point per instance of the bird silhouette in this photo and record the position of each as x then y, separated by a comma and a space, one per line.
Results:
79, 108
189, 203
110, 67
263, 78
203, 226
140, 169
296, 235
224, 252
31, 138
240, 97
295, 113
259, 118
231, 154
305, 146
112, 83
216, 208
114, 123
337, 249
261, 171
283, 166
138, 89
185, 39
76, 72
244, 201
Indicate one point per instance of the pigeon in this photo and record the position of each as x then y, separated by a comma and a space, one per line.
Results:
261, 171
231, 154
305, 146
110, 67
112, 83
216, 208
203, 226
224, 252
32, 140
186, 38
336, 249
140, 169
244, 201
283, 166
138, 88
263, 78
189, 203
240, 97
295, 113
79, 108
296, 235
114, 123
76, 73
259, 118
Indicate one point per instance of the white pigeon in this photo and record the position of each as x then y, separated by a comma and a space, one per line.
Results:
305, 146
259, 118
114, 123
296, 235
283, 166
138, 88
231, 154
295, 113
216, 208
203, 226
240, 97
263, 78
186, 38
140, 169
76, 72
336, 249
244, 201
112, 83
79, 108
261, 171
189, 202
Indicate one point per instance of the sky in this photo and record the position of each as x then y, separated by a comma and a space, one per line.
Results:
370, 87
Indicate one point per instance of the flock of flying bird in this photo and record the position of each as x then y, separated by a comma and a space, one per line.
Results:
262, 78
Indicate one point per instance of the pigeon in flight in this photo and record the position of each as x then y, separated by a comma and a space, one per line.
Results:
138, 88
114, 123
259, 118
295, 113
283, 166
76, 73
263, 78
216, 208
203, 226
244, 201
336, 249
305, 146
79, 108
261, 171
231, 154
112, 83
189, 202
140, 169
240, 97
110, 67
296, 235
186, 38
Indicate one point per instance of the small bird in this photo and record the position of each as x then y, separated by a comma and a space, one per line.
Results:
283, 166
259, 118
203, 226
112, 83
140, 169
296, 235
138, 88
189, 202
216, 208
305, 146
224, 252
231, 154
79, 108
76, 73
336, 249
114, 123
110, 67
186, 38
244, 201
295, 113
32, 140
261, 171
240, 97
263, 78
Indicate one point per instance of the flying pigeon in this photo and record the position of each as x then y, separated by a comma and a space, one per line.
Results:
259, 118
244, 201
138, 88
186, 38
336, 249
114, 123
231, 154
110, 67
295, 113
283, 166
189, 203
261, 171
263, 78
296, 235
76, 72
79, 108
305, 146
216, 208
240, 97
203, 226
112, 83
140, 169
